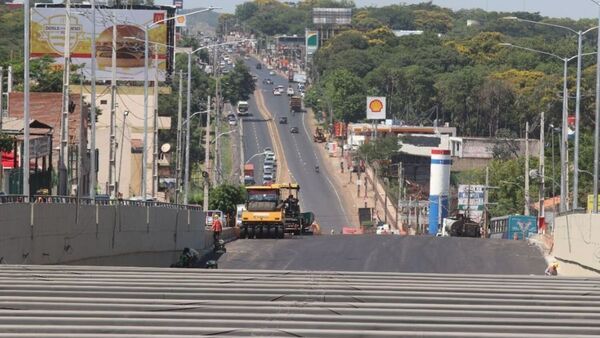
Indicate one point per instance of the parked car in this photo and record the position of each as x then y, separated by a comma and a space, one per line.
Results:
294, 130
283, 120
290, 91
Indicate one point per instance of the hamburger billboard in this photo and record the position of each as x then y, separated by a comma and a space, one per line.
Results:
47, 38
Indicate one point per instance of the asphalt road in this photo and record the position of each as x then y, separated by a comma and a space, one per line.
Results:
256, 138
418, 254
317, 193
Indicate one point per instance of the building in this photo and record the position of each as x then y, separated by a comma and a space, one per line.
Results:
476, 152
129, 126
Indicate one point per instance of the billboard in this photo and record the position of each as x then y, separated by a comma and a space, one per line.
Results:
375, 108
332, 16
312, 41
47, 38
471, 199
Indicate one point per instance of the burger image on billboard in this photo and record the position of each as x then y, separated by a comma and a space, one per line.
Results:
130, 47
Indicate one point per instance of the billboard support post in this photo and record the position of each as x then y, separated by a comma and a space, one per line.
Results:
25, 163
113, 113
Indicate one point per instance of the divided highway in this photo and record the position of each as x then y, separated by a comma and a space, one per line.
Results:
317, 192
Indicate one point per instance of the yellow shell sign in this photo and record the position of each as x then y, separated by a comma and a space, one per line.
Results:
376, 108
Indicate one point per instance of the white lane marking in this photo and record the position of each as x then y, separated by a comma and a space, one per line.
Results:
308, 137
339, 200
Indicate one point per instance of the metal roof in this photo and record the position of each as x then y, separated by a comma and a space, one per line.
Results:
71, 301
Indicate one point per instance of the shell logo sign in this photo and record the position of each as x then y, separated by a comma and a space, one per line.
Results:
376, 108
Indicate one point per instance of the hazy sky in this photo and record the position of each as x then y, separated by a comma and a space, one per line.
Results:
554, 8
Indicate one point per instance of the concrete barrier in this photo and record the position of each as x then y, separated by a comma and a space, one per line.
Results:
577, 241
55, 233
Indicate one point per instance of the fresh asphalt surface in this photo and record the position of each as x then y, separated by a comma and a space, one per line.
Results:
317, 193
389, 253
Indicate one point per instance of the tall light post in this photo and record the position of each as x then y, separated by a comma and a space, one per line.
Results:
25, 166
146, 42
597, 126
580, 35
565, 111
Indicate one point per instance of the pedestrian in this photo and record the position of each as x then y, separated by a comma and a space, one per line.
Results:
217, 227
552, 269
342, 166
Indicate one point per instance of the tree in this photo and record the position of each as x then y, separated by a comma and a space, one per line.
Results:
345, 95
238, 84
380, 149
6, 142
226, 197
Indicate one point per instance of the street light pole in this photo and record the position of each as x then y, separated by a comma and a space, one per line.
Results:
146, 42
25, 166
186, 177
597, 126
577, 109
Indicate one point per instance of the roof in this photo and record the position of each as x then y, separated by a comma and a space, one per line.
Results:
17, 125
46, 108
118, 302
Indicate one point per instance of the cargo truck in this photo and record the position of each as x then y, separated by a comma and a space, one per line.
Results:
295, 104
249, 174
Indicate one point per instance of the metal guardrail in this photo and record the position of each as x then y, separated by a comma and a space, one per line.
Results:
13, 199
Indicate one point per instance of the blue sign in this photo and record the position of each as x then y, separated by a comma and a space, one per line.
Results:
522, 226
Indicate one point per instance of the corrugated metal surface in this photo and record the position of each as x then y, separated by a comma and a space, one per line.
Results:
66, 301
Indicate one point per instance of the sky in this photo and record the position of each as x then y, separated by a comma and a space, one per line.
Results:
554, 8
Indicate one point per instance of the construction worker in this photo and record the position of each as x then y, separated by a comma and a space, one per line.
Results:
552, 269
217, 227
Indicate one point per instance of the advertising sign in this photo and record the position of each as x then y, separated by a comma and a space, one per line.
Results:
375, 108
180, 21
471, 201
312, 41
47, 38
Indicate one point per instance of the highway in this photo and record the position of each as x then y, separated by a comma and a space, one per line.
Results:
255, 138
120, 302
317, 193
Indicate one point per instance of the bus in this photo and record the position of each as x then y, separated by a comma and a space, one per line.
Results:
242, 108
507, 227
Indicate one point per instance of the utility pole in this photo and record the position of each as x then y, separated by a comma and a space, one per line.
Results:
206, 154
93, 109
179, 139
526, 212
400, 187
155, 127
81, 147
113, 115
186, 177
1, 97
217, 167
63, 170
486, 200
542, 174
25, 162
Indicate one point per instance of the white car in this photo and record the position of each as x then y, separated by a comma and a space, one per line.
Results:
268, 177
276, 92
290, 91
271, 73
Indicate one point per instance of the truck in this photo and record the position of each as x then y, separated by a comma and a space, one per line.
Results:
319, 136
295, 104
242, 108
249, 174
268, 215
300, 77
460, 226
